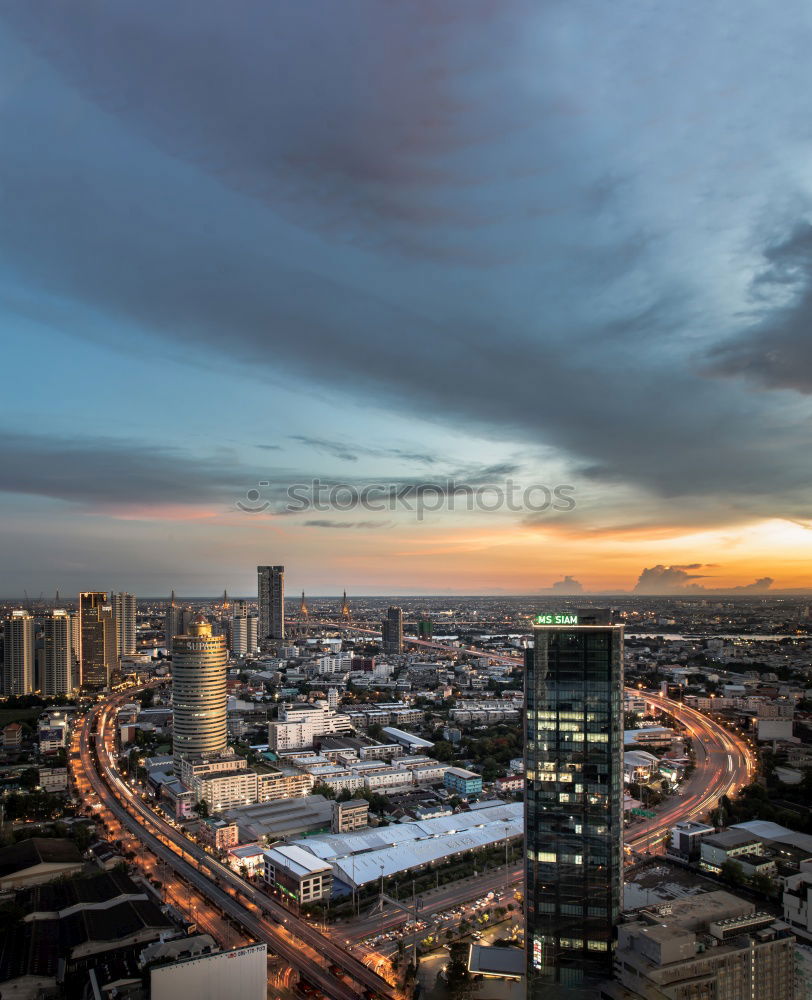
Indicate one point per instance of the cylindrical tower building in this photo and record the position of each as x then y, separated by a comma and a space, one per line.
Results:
199, 692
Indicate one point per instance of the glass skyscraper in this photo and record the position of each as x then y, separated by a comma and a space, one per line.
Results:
574, 802
271, 599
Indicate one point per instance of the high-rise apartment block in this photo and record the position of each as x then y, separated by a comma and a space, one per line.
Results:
244, 630
392, 631
199, 667
124, 611
18, 654
56, 656
98, 655
271, 594
173, 622
574, 802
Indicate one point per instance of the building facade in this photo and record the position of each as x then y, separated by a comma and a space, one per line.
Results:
124, 612
712, 946
392, 631
271, 596
350, 816
97, 638
462, 782
244, 631
574, 802
56, 657
298, 875
199, 668
18, 654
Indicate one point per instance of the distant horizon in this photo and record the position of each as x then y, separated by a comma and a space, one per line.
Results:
742, 593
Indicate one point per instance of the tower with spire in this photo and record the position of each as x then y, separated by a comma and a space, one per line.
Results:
345, 606
303, 608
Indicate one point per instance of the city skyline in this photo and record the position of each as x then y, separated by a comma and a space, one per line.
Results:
498, 291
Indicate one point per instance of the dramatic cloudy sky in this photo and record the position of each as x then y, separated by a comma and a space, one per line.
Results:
561, 243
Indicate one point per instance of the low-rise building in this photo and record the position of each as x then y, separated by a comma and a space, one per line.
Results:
718, 848
409, 741
268, 821
353, 814
39, 859
282, 783
705, 947
53, 779
196, 767
686, 839
12, 736
249, 858
218, 833
226, 789
462, 782
237, 972
649, 736
297, 874
639, 766
51, 740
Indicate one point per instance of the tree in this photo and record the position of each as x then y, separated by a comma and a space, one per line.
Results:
29, 779
732, 872
457, 977
763, 884
326, 790
202, 809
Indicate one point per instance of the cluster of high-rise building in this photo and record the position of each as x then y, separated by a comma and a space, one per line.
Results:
59, 650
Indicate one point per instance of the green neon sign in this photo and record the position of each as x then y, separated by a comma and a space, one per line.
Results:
556, 619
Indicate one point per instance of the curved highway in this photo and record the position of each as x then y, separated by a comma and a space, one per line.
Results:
724, 764
724, 761
295, 941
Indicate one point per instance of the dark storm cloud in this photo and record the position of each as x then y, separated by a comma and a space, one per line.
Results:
107, 471
351, 452
777, 351
332, 106
488, 214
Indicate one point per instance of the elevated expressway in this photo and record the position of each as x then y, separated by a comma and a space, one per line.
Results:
299, 944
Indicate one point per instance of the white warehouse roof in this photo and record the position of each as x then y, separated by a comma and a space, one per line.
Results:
357, 857
401, 736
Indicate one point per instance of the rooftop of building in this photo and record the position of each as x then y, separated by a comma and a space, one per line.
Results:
766, 830
36, 948
60, 895
237, 772
508, 963
695, 913
297, 860
410, 738
247, 851
461, 772
728, 839
691, 826
37, 851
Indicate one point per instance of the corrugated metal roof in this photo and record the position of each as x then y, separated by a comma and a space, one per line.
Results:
358, 856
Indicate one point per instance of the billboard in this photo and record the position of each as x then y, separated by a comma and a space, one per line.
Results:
241, 973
